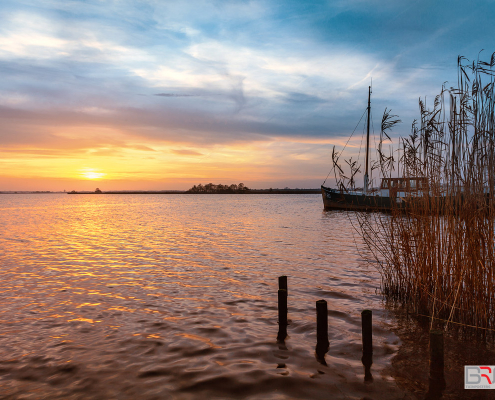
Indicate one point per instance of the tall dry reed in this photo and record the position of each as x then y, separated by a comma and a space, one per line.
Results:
439, 257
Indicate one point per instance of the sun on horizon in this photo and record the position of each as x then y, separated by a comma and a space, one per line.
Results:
92, 174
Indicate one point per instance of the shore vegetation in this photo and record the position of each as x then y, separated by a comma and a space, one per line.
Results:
212, 188
439, 258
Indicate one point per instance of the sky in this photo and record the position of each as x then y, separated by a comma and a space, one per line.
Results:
161, 95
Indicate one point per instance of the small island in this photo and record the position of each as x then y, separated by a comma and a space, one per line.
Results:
212, 188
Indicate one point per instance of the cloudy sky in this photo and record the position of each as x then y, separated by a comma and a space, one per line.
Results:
158, 94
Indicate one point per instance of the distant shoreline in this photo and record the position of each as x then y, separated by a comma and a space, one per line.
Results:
252, 191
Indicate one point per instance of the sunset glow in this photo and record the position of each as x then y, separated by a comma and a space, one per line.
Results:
182, 93
93, 175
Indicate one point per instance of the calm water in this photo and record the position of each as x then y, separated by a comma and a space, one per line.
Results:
175, 297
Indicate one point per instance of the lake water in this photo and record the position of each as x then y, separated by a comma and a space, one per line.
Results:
175, 297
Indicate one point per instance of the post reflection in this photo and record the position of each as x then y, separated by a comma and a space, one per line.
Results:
321, 350
282, 333
367, 361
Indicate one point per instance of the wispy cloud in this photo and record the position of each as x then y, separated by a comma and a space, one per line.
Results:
174, 95
185, 152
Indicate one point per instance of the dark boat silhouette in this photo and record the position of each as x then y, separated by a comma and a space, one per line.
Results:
392, 193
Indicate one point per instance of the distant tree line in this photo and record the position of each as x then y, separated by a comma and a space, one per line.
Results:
212, 188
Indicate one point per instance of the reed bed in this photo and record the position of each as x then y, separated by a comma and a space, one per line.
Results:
438, 258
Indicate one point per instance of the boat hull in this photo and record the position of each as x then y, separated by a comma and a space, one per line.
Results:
335, 200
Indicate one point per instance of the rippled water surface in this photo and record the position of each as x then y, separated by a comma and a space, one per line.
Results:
175, 297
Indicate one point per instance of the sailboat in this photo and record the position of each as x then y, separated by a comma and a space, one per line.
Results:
392, 193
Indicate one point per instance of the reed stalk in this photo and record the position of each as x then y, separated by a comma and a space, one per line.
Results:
439, 257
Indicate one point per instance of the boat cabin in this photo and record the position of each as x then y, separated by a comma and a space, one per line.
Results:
399, 187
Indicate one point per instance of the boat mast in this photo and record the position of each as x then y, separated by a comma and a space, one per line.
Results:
366, 176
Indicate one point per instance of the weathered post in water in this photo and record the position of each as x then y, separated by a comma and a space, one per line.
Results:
322, 322
322, 325
282, 315
367, 331
437, 377
367, 335
322, 343
282, 283
282, 307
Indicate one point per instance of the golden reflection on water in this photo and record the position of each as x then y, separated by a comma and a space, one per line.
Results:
130, 289
83, 320
200, 338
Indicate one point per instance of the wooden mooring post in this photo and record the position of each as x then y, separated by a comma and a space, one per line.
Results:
367, 336
282, 307
282, 315
322, 324
367, 331
437, 377
322, 342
